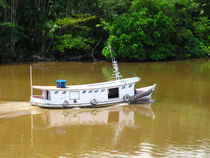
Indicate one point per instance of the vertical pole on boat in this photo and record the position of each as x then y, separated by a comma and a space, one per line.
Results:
116, 72
32, 122
31, 80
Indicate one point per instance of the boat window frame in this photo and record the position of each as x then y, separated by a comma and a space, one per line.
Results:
56, 92
103, 90
96, 91
64, 92
90, 91
123, 87
83, 92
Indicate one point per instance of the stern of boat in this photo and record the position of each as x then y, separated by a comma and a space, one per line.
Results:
38, 100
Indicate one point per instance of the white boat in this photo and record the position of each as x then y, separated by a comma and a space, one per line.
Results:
96, 94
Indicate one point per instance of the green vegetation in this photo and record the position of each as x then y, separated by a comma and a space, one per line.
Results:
136, 29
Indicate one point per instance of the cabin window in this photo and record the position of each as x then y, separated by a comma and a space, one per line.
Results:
83, 92
113, 93
90, 91
102, 90
123, 87
96, 91
56, 92
130, 85
64, 92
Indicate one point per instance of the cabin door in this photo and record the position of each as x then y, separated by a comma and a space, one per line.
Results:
113, 93
48, 95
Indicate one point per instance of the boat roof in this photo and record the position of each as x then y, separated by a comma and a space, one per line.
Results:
109, 84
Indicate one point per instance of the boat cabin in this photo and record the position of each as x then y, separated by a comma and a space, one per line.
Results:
88, 94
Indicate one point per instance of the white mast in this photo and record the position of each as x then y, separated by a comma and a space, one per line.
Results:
31, 80
116, 73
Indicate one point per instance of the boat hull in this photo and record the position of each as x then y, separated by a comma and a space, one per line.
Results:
51, 105
141, 95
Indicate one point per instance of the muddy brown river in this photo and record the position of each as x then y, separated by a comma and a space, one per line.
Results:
176, 124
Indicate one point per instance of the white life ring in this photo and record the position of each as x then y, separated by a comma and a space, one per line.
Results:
126, 98
94, 101
65, 104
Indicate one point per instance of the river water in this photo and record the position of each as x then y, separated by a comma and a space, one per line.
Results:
176, 124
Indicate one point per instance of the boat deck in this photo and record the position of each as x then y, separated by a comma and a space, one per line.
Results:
100, 85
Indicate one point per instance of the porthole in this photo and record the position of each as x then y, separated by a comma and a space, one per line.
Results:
102, 90
90, 91
96, 91
56, 92
130, 85
64, 92
83, 92
123, 87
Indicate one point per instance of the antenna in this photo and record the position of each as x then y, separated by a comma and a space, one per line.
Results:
116, 73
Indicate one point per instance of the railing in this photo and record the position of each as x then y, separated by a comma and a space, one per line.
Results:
38, 96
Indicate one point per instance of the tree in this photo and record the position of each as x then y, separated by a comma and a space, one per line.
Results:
136, 29
140, 35
157, 30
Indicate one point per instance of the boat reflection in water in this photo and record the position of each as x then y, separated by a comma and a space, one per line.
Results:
75, 132
121, 114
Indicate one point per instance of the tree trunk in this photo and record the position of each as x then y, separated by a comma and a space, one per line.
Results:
93, 49
13, 20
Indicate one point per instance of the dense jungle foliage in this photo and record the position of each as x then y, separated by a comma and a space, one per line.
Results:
84, 29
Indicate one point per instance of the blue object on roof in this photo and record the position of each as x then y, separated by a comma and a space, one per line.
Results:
61, 83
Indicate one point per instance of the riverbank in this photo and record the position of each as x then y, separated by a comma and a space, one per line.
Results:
57, 57
99, 58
